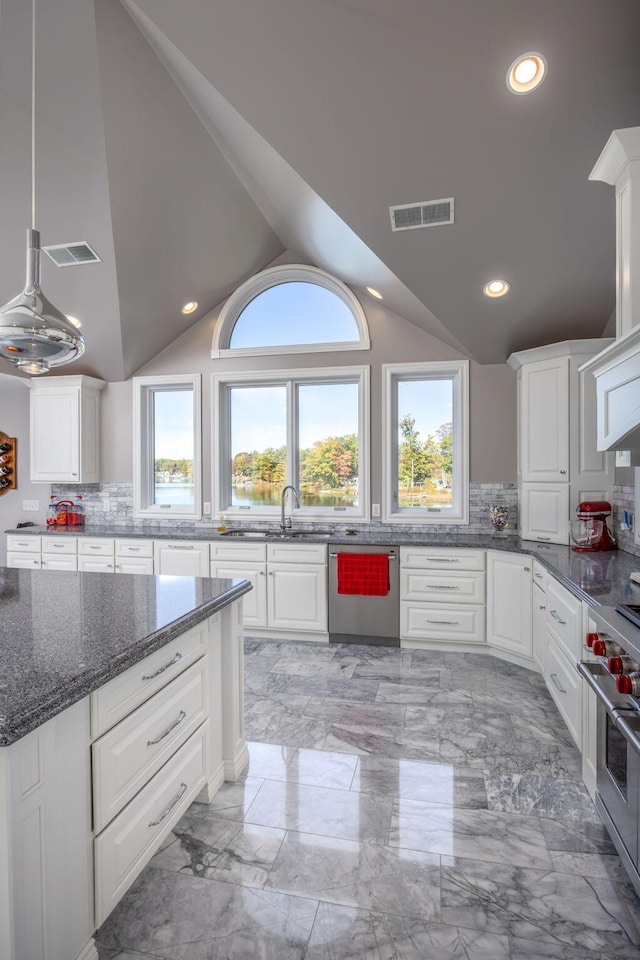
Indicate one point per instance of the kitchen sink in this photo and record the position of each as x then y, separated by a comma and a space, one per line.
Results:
245, 533
273, 535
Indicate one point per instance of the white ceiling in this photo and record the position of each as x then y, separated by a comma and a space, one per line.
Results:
192, 143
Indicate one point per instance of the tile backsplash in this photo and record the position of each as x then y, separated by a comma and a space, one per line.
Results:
112, 504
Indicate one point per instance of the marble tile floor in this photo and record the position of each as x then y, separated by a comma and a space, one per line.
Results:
399, 805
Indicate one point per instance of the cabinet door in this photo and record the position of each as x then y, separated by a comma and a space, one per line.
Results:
509, 589
544, 512
25, 561
134, 565
538, 623
544, 420
254, 603
181, 558
55, 435
96, 564
54, 561
297, 596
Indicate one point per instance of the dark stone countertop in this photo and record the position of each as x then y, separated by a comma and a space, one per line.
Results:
599, 578
63, 635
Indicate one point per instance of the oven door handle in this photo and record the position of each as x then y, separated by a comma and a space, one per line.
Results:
629, 729
590, 671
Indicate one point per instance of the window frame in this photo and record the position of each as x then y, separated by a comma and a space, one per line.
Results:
143, 469
273, 277
392, 373
222, 383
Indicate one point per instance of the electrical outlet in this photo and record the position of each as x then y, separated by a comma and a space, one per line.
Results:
206, 508
375, 509
31, 505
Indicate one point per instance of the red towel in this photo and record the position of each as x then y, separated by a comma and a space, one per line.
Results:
366, 574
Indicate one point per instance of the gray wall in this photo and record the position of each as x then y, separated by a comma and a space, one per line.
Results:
394, 340
14, 421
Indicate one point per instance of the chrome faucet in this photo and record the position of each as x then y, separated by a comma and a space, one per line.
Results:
285, 522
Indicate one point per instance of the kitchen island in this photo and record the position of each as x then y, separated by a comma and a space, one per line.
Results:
120, 704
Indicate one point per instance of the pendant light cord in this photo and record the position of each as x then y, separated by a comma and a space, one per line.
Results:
33, 114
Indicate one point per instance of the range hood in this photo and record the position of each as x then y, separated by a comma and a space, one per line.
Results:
617, 368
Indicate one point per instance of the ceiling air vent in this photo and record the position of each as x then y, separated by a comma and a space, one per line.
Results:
431, 213
72, 254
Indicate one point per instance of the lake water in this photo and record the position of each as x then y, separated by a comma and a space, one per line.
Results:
182, 494
268, 495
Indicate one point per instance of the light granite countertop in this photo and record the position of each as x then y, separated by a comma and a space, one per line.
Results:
599, 578
63, 635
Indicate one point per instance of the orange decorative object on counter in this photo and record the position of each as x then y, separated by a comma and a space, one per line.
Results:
62, 514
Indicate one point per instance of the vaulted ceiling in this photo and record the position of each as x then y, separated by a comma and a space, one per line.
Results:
191, 143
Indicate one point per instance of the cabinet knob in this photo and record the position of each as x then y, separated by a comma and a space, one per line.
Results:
526, 569
563, 472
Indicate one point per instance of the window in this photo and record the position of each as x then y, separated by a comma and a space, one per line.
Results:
290, 309
426, 442
304, 427
167, 447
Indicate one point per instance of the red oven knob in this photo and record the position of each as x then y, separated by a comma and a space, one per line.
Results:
615, 665
629, 683
606, 648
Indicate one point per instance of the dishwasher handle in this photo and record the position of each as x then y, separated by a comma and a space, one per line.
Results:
391, 556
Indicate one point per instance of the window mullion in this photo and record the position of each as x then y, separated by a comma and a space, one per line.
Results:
292, 433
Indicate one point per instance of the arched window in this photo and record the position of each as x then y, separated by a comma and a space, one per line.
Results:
290, 309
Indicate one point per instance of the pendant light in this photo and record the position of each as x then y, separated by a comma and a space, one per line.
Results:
35, 335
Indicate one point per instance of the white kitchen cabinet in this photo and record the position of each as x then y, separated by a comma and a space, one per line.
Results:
559, 464
544, 511
254, 605
289, 583
65, 430
297, 596
181, 558
442, 596
509, 590
142, 565
56, 561
25, 561
539, 613
565, 686
96, 564
544, 420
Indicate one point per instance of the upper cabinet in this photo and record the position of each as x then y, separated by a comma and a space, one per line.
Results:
558, 461
65, 430
617, 369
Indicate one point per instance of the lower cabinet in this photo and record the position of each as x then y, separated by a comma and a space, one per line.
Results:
565, 686
181, 558
289, 583
509, 590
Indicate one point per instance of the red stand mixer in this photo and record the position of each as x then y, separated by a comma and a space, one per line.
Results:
589, 530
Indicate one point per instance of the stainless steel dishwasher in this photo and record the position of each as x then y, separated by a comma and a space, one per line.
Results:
359, 619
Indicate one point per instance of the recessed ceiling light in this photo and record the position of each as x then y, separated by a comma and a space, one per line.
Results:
190, 306
374, 293
74, 320
496, 288
526, 73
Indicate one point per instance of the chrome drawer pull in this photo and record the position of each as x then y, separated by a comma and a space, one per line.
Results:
543, 538
556, 683
132, 549
539, 576
449, 623
391, 556
435, 586
442, 559
180, 546
167, 810
181, 716
557, 618
177, 657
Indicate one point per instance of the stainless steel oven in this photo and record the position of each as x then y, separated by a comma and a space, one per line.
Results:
614, 672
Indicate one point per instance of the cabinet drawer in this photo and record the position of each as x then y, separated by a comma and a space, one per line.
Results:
96, 546
25, 561
446, 587
564, 618
442, 558
564, 685
239, 551
120, 696
129, 842
23, 544
297, 552
54, 544
134, 548
132, 751
442, 622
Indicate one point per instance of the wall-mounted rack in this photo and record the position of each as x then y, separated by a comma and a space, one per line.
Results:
8, 463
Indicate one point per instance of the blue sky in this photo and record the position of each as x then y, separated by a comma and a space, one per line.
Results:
173, 419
